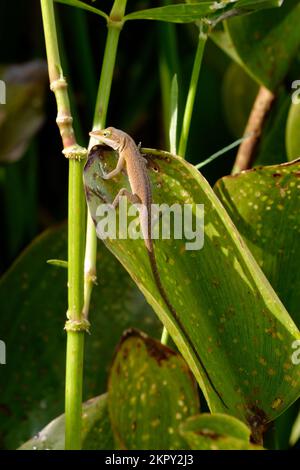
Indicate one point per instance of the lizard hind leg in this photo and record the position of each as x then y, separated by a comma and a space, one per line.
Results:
133, 198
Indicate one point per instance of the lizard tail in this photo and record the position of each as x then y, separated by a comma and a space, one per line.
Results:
152, 259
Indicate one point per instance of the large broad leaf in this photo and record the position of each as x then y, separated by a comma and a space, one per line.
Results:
33, 297
216, 432
268, 62
263, 204
150, 392
22, 115
225, 305
96, 429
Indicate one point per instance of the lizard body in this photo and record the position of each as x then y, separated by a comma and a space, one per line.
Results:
135, 163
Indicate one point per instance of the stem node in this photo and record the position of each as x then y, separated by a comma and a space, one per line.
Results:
77, 325
115, 23
58, 84
75, 152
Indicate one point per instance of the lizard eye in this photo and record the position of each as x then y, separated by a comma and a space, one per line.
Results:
106, 133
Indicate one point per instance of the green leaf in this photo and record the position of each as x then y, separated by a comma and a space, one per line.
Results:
96, 430
150, 392
216, 432
23, 114
263, 204
268, 62
238, 92
195, 10
224, 305
292, 138
60, 263
33, 297
180, 13
83, 6
223, 40
295, 434
258, 4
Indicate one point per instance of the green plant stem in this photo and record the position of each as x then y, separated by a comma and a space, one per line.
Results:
191, 94
168, 67
76, 214
187, 117
173, 121
73, 402
221, 152
105, 83
165, 336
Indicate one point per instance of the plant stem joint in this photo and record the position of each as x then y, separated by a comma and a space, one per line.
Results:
115, 23
75, 152
77, 325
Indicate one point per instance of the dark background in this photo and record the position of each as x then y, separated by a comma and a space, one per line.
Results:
33, 190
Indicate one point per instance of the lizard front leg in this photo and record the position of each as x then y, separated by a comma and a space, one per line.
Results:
116, 171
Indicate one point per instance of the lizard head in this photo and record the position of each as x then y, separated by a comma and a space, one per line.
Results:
109, 136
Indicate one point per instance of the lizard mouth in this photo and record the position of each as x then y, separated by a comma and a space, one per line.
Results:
97, 135
101, 138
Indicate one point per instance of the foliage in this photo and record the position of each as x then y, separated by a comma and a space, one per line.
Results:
236, 299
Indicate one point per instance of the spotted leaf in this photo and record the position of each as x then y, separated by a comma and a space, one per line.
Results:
150, 392
216, 432
230, 326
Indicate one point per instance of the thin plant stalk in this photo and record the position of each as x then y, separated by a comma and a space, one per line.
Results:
114, 28
168, 66
75, 325
173, 122
187, 117
221, 152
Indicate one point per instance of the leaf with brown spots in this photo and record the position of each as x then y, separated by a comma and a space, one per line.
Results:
230, 319
33, 294
216, 432
264, 205
150, 392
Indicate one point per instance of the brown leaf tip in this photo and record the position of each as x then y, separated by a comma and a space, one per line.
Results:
155, 349
258, 422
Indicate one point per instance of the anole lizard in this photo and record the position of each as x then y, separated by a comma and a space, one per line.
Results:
135, 164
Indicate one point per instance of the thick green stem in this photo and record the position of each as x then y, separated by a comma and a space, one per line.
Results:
75, 325
75, 240
191, 95
105, 83
73, 403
